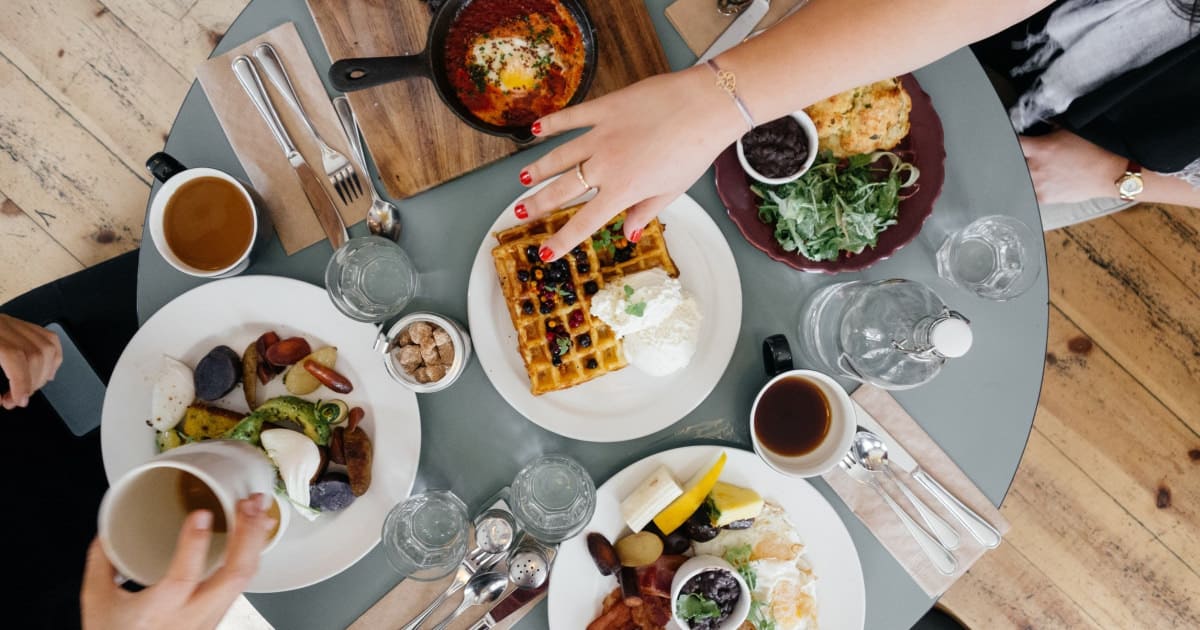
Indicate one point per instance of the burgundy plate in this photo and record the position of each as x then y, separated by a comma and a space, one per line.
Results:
924, 147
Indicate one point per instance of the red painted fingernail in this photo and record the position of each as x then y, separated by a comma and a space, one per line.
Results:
635, 236
536, 128
526, 178
521, 212
545, 254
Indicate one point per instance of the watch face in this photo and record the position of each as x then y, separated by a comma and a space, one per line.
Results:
1130, 186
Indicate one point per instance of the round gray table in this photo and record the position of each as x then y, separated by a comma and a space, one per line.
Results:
979, 409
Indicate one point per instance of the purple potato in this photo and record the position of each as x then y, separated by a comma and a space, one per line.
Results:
331, 494
217, 373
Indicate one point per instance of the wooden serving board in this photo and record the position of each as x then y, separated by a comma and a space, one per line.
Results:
415, 140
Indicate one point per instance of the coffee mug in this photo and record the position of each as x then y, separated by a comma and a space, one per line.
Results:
203, 221
142, 513
827, 449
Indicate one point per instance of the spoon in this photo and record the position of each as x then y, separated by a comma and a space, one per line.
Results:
943, 560
876, 460
484, 588
383, 219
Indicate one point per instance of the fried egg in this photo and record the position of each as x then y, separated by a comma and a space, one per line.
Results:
174, 390
513, 63
784, 579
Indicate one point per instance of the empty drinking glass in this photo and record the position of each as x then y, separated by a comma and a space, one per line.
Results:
425, 536
993, 257
370, 279
553, 498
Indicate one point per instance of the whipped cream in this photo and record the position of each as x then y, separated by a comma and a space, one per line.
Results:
658, 321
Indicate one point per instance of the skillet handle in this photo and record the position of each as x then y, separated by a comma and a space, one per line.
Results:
350, 75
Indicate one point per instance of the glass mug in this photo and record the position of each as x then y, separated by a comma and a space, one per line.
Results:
204, 222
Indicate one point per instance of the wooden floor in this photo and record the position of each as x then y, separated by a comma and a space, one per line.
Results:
1105, 506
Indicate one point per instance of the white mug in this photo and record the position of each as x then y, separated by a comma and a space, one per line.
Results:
842, 426
173, 176
143, 511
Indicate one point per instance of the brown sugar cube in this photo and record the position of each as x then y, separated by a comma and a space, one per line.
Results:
422, 375
440, 337
419, 332
403, 339
429, 354
446, 353
435, 372
410, 358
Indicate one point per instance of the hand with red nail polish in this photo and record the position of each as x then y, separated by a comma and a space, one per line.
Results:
536, 129
184, 599
521, 212
526, 178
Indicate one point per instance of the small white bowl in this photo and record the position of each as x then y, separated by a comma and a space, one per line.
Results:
810, 132
842, 425
701, 564
458, 336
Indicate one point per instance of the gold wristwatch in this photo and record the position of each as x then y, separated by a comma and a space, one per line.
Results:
1130, 185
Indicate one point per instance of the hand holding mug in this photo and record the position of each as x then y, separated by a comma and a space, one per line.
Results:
183, 598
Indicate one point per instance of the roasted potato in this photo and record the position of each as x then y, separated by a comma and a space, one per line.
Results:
205, 422
639, 550
250, 361
357, 448
299, 381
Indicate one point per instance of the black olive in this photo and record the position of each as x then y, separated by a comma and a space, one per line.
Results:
742, 524
676, 543
523, 275
584, 341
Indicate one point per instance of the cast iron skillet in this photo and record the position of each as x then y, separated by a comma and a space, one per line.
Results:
349, 75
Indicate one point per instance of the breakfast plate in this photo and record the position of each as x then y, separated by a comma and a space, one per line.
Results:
627, 403
578, 588
924, 146
235, 312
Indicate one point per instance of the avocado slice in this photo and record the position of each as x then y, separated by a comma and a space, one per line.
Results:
285, 410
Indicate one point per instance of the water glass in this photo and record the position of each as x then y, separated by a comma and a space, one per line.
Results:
370, 279
425, 536
553, 498
994, 257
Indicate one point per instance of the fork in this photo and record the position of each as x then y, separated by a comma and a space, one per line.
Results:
943, 560
474, 561
340, 171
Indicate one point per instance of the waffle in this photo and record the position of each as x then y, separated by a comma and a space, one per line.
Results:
560, 342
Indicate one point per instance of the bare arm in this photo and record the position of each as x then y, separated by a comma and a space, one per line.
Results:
649, 142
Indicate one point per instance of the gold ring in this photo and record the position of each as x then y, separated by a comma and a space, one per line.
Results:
582, 179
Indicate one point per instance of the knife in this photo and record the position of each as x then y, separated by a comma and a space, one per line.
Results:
979, 528
511, 603
737, 30
318, 197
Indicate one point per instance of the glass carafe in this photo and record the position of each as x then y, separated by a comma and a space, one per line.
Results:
894, 334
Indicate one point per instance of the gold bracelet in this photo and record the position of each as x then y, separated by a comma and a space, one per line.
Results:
727, 81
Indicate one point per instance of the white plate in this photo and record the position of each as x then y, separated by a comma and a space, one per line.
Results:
626, 404
577, 589
235, 312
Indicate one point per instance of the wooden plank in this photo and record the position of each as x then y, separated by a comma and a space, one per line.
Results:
1172, 233
98, 70
1122, 437
28, 256
1005, 590
1127, 301
182, 32
62, 176
415, 140
1093, 550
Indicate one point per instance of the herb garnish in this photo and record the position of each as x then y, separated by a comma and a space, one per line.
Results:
606, 238
739, 557
832, 208
637, 309
479, 75
693, 607
564, 345
760, 616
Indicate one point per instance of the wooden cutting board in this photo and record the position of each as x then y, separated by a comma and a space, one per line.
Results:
415, 140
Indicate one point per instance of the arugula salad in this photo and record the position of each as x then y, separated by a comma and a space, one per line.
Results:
837, 205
